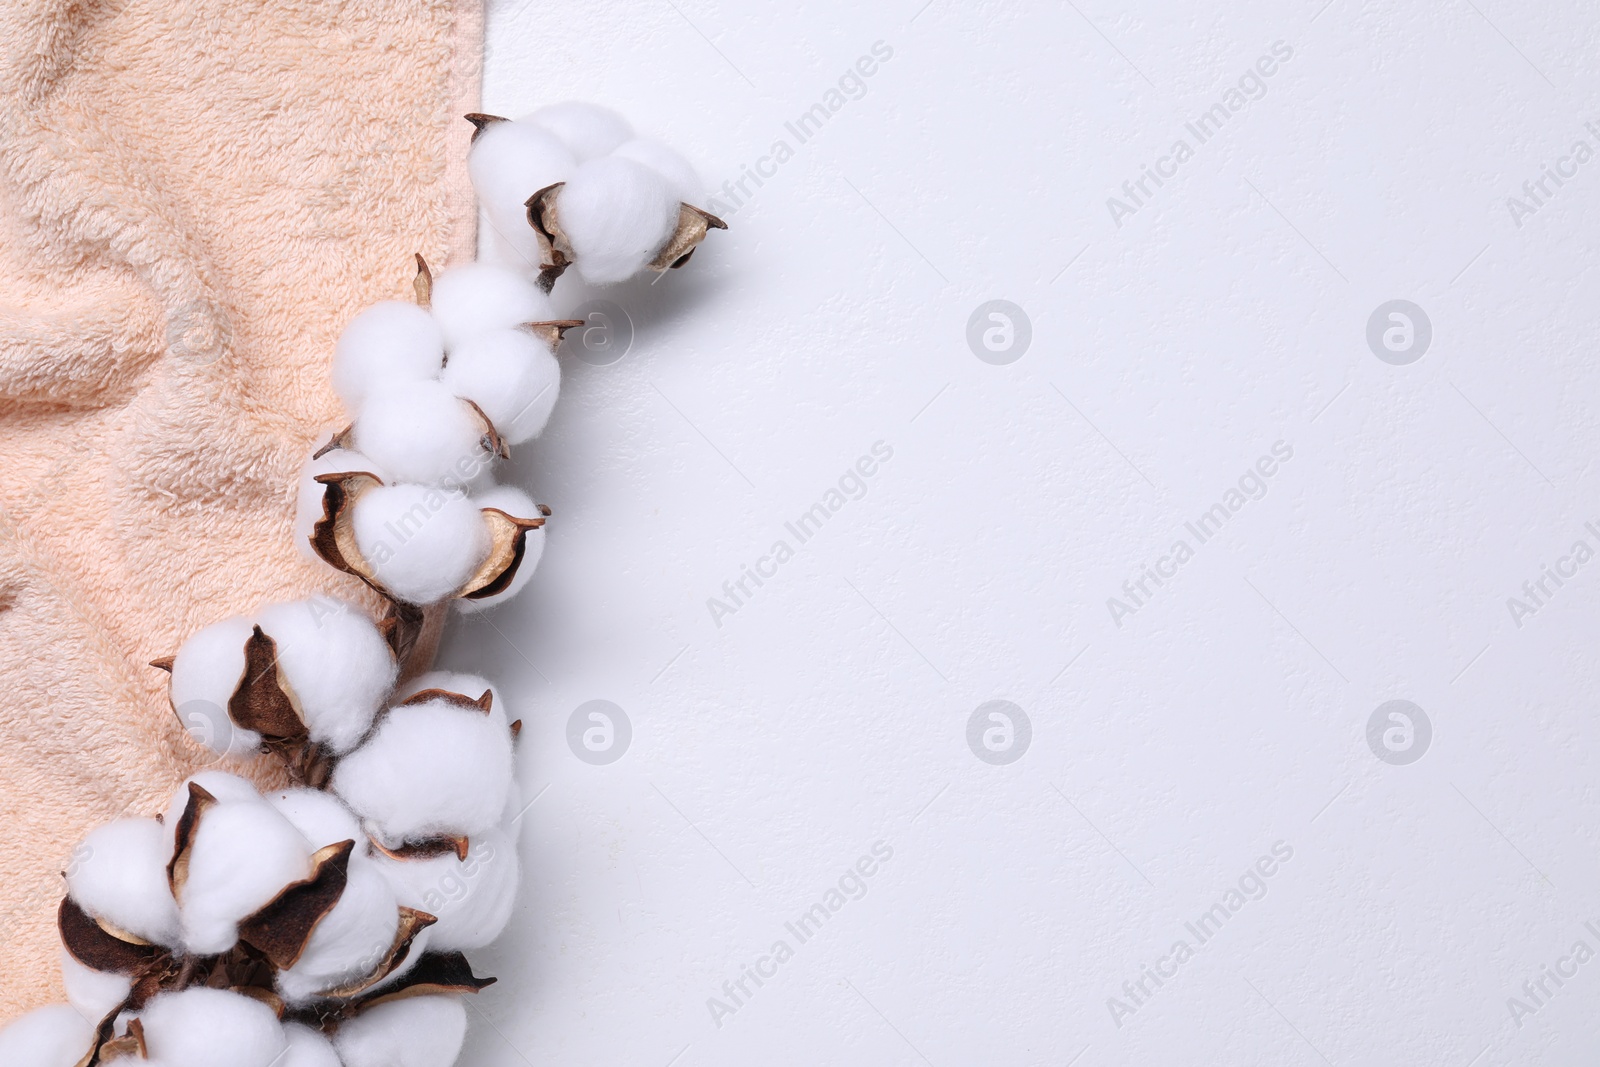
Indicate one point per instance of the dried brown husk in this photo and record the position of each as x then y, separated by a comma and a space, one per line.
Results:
422, 284
102, 947
693, 225
552, 332
427, 848
508, 544
281, 929
552, 239
481, 122
434, 974
333, 538
483, 703
183, 835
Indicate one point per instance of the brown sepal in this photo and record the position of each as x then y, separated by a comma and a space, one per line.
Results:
693, 225
508, 540
264, 702
457, 700
551, 333
481, 122
516, 729
422, 284
163, 663
427, 848
412, 923
542, 217
435, 973
491, 441
333, 538
281, 929
342, 439
200, 801
128, 1045
98, 948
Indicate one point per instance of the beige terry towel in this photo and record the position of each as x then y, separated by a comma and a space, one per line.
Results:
194, 196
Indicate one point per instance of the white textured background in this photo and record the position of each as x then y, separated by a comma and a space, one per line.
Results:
1170, 752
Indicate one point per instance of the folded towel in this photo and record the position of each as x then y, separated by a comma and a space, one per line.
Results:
194, 196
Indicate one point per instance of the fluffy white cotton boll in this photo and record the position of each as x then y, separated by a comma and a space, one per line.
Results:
477, 297
411, 1032
429, 769
618, 214
350, 941
307, 1048
686, 182
589, 130
422, 543
224, 786
242, 856
472, 898
119, 874
422, 432
92, 993
55, 1036
387, 343
512, 501
309, 491
510, 374
321, 819
205, 672
336, 661
509, 162
201, 1027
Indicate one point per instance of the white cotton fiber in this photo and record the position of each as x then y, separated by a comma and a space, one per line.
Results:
321, 818
119, 874
338, 664
422, 432
241, 858
410, 1032
589, 130
472, 898
428, 770
92, 993
422, 543
307, 1048
686, 183
201, 1027
471, 686
205, 673
618, 214
512, 375
512, 501
309, 491
509, 162
477, 296
55, 1036
350, 941
387, 343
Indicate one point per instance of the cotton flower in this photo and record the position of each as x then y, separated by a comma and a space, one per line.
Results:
422, 432
118, 874
472, 898
432, 769
350, 941
335, 662
319, 816
421, 543
588, 130
509, 162
205, 673
477, 297
306, 1048
512, 501
617, 214
680, 174
92, 993
387, 343
238, 856
511, 375
424, 1031
55, 1036
201, 1027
